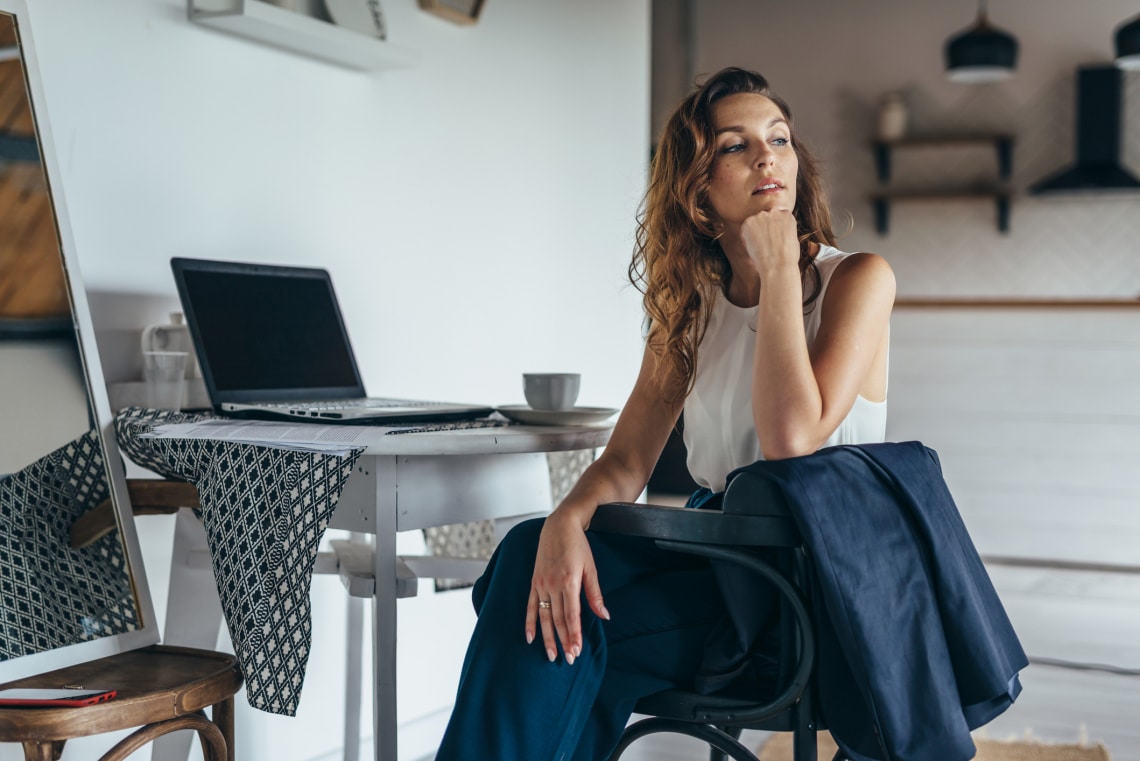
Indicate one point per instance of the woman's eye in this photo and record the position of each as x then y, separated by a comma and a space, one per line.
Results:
781, 141
733, 148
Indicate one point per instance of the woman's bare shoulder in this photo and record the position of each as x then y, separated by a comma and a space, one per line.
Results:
864, 268
862, 277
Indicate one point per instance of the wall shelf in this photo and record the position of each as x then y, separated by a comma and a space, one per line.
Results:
1003, 145
882, 203
884, 149
287, 30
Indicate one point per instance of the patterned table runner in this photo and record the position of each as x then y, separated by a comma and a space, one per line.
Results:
265, 510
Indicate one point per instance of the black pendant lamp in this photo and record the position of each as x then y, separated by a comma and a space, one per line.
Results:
982, 53
1128, 45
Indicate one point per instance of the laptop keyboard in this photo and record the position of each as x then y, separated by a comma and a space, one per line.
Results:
350, 404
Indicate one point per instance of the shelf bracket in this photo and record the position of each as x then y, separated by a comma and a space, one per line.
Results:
882, 215
883, 161
1004, 147
1002, 204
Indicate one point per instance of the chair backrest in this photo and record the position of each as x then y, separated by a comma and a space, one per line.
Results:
744, 540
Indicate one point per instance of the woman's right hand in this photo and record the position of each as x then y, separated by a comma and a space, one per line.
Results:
563, 568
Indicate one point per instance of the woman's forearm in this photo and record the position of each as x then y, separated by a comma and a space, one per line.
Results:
787, 406
606, 480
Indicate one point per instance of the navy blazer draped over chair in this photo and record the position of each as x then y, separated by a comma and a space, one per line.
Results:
915, 648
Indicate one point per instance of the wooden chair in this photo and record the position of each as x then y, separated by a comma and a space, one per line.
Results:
161, 689
748, 531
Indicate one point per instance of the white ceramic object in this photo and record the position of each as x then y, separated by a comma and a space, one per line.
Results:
520, 413
893, 117
364, 16
551, 391
174, 336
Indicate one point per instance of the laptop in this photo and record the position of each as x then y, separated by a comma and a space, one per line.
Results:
272, 345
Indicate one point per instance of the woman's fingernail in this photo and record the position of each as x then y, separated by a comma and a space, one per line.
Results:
550, 654
576, 651
529, 637
605, 613
570, 658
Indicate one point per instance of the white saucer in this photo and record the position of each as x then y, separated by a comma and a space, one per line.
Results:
521, 413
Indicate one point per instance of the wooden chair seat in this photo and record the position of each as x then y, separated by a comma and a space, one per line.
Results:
161, 689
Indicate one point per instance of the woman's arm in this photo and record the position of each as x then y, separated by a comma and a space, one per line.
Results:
799, 397
564, 565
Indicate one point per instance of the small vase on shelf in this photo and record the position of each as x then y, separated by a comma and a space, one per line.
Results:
893, 117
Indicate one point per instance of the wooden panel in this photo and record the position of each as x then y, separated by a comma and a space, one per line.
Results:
1036, 417
31, 276
15, 110
31, 273
7, 31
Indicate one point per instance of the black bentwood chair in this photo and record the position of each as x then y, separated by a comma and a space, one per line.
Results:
752, 531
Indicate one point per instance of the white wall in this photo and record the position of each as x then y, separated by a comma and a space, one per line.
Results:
833, 61
476, 212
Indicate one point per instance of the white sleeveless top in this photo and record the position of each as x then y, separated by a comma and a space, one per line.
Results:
720, 433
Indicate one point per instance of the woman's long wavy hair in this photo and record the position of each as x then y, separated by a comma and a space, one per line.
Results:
678, 262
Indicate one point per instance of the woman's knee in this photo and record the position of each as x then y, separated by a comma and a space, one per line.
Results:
521, 542
512, 563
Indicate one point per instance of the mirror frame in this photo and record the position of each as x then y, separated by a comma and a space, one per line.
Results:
147, 634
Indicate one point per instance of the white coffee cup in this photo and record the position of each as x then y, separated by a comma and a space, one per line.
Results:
551, 391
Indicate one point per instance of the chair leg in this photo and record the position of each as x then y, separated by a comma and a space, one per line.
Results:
718, 755
222, 714
213, 743
50, 750
804, 740
707, 733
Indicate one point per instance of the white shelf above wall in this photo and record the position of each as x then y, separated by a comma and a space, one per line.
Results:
287, 30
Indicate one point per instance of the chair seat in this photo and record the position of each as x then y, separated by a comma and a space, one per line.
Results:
683, 705
154, 684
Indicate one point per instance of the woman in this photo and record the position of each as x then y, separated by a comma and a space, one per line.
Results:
773, 343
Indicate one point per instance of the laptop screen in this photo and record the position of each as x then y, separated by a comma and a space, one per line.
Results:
266, 333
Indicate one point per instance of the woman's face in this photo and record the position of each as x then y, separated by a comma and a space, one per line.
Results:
755, 166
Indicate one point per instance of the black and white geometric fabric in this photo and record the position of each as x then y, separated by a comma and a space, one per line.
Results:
54, 595
265, 510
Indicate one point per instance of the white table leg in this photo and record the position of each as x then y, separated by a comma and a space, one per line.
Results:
380, 473
193, 611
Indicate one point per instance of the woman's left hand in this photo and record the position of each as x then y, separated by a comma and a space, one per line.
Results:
770, 239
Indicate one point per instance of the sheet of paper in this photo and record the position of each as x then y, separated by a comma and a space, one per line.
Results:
305, 437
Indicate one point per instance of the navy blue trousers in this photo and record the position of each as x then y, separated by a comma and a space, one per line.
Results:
515, 705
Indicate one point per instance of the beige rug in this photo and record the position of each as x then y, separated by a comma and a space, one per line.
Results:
779, 748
